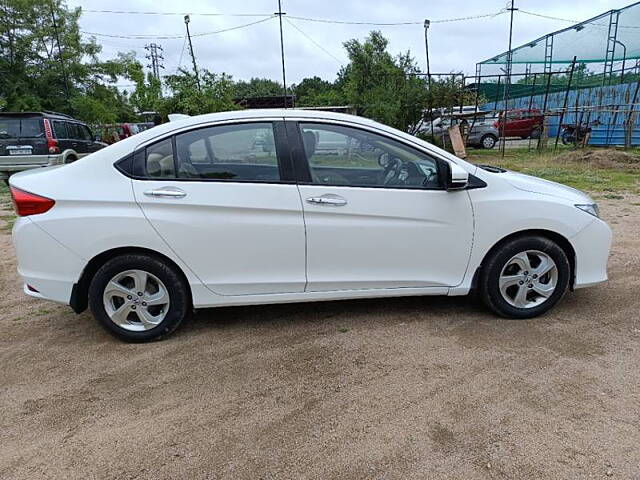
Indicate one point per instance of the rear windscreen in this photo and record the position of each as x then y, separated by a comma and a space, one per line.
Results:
16, 127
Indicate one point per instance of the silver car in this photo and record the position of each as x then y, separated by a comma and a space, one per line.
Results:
482, 132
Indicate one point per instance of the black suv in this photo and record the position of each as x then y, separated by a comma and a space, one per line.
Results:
40, 139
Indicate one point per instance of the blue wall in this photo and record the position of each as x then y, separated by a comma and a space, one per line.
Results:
610, 131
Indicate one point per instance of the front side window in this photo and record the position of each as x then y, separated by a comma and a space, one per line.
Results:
244, 152
339, 155
85, 132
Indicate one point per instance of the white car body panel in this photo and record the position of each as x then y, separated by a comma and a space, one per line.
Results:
380, 244
387, 238
239, 238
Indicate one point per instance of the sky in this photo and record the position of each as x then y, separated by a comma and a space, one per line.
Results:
315, 48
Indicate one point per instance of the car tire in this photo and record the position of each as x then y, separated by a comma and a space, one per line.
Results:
70, 159
510, 286
488, 141
535, 133
567, 138
139, 298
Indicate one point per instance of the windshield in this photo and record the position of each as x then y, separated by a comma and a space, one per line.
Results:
16, 127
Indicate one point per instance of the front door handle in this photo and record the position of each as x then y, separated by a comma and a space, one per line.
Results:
166, 193
330, 200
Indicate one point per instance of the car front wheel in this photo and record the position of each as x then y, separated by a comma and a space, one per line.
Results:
525, 277
138, 297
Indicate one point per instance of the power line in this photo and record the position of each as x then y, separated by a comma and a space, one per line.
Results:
176, 36
548, 17
208, 14
314, 42
568, 20
306, 19
390, 24
184, 44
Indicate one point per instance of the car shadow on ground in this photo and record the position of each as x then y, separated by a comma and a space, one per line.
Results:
389, 310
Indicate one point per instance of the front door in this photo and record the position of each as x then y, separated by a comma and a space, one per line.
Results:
224, 201
376, 213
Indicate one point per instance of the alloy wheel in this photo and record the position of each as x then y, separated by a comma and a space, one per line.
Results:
528, 279
136, 300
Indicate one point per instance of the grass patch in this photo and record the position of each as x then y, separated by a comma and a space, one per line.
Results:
343, 329
593, 170
9, 221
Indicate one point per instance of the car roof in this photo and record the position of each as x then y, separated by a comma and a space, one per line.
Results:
251, 114
43, 113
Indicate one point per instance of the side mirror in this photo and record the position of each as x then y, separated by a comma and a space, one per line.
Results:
457, 177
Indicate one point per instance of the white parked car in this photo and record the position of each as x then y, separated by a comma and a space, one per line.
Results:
197, 213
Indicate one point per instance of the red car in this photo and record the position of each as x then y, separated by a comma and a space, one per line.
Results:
521, 123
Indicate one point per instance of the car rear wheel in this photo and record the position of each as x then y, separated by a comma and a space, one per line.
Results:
138, 297
525, 277
488, 141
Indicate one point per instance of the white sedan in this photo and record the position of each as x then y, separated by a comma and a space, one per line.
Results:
275, 206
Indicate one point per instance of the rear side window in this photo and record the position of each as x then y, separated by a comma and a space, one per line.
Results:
16, 127
72, 130
159, 161
243, 152
60, 129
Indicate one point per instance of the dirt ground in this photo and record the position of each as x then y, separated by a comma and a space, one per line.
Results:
384, 389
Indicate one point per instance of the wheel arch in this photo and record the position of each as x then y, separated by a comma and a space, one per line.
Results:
561, 240
69, 153
80, 292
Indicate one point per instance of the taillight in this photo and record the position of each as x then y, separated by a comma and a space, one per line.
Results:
52, 143
27, 203
495, 124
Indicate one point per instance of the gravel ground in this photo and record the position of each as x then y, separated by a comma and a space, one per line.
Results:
385, 389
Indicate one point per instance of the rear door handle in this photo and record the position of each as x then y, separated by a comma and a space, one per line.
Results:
166, 193
329, 199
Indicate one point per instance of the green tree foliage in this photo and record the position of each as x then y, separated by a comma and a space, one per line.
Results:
35, 74
311, 92
381, 86
215, 93
257, 87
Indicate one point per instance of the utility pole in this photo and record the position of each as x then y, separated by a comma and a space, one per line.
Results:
427, 23
193, 57
508, 72
284, 75
155, 56
60, 57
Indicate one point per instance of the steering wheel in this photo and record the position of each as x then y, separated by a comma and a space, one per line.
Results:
392, 171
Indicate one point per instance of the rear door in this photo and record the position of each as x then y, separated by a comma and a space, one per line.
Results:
224, 199
22, 140
516, 124
376, 214
77, 138
61, 132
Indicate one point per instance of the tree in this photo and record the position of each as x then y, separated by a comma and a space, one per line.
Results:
257, 87
317, 92
215, 94
36, 74
380, 86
